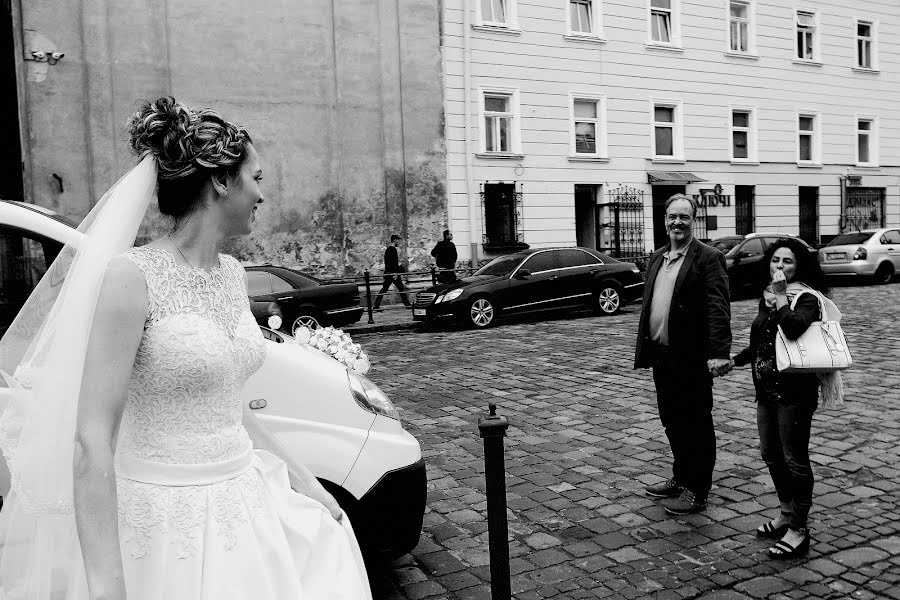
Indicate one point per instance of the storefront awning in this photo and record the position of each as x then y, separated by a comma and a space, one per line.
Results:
672, 177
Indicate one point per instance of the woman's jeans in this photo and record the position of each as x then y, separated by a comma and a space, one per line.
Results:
784, 441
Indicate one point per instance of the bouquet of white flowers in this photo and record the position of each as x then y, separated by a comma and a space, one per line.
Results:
337, 344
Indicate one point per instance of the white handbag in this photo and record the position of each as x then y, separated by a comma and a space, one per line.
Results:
821, 349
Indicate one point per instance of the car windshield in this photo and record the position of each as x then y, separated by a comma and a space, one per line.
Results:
502, 265
725, 245
850, 239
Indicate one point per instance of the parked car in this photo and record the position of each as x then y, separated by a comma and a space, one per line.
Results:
335, 421
744, 260
300, 300
871, 254
533, 280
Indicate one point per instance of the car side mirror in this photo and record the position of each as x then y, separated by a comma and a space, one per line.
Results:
523, 274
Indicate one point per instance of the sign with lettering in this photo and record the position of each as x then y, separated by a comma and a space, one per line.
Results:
712, 197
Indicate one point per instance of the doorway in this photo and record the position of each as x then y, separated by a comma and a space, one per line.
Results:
661, 193
11, 181
586, 216
809, 215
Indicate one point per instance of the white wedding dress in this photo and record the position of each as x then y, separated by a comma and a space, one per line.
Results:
202, 515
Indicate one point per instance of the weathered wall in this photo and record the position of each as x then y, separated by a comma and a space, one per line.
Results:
343, 100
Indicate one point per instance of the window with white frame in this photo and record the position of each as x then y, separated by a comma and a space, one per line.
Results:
743, 134
808, 136
588, 126
495, 12
865, 44
866, 141
581, 16
667, 130
739, 25
806, 35
499, 126
662, 21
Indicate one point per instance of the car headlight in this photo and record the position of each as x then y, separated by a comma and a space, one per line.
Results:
370, 397
451, 295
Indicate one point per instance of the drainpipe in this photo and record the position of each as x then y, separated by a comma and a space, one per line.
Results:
467, 91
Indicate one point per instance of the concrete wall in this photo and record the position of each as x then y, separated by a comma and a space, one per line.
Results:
538, 58
343, 100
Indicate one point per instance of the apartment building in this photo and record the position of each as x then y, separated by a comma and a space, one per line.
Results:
570, 122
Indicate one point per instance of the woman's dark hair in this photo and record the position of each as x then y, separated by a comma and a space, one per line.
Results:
189, 146
809, 271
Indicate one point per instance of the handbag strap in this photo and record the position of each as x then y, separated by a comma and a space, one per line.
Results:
818, 297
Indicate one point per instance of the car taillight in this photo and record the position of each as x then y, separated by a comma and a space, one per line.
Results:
860, 254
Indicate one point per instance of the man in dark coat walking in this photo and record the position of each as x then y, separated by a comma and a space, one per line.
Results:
685, 336
444, 254
392, 268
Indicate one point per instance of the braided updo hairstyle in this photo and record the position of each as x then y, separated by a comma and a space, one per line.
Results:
190, 145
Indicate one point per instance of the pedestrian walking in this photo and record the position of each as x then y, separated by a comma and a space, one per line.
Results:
444, 253
685, 337
392, 270
785, 402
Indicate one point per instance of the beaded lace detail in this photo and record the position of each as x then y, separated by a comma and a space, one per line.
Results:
200, 344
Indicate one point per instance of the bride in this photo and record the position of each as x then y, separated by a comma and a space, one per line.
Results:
171, 489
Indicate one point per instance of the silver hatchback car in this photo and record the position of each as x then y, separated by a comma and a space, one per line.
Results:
872, 254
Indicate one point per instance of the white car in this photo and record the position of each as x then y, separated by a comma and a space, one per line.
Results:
871, 254
335, 421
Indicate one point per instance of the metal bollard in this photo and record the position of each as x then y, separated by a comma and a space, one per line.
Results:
368, 294
493, 429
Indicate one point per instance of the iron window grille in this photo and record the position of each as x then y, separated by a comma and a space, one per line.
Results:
503, 222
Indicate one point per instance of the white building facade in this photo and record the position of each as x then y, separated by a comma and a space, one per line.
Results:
570, 122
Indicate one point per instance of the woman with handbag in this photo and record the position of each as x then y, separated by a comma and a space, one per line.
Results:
786, 401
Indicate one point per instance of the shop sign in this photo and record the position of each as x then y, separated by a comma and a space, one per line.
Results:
712, 197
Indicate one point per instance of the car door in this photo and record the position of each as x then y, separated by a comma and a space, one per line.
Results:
24, 258
577, 270
891, 241
539, 288
259, 289
746, 271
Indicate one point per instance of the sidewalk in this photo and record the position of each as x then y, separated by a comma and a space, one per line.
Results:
393, 317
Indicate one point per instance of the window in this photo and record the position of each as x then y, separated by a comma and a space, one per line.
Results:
499, 125
23, 261
739, 26
809, 214
575, 258
808, 136
259, 283
588, 126
542, 261
494, 11
865, 44
743, 134
890, 237
667, 138
806, 35
581, 18
500, 214
280, 286
752, 247
662, 21
866, 142
744, 209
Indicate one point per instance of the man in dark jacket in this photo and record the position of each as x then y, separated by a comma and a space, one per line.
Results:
444, 254
392, 268
685, 336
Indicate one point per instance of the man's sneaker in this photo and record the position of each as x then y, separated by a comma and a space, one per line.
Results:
685, 504
667, 489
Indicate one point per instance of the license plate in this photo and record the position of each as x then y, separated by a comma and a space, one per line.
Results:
835, 256
418, 312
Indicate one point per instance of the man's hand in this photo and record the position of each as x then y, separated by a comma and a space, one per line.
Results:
719, 366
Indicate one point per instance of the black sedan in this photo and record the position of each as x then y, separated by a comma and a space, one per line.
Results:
300, 299
533, 280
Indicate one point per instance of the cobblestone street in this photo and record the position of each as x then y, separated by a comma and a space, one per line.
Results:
584, 439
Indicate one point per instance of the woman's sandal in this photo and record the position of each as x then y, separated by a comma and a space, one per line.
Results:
783, 550
769, 530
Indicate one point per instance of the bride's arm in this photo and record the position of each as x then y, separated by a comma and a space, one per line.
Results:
302, 479
115, 335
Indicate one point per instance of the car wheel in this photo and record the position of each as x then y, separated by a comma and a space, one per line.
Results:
884, 274
608, 300
306, 319
481, 312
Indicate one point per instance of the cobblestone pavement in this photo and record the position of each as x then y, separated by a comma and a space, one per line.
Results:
584, 439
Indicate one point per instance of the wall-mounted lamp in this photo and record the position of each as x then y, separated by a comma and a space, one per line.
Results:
46, 56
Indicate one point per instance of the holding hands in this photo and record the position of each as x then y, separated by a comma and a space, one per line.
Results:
719, 366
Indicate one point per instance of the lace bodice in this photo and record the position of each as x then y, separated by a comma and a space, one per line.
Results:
200, 345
